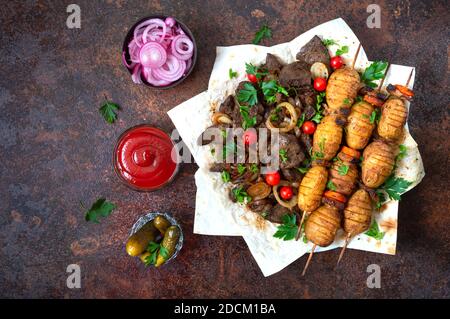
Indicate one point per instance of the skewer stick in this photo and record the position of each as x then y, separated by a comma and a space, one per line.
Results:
384, 77
300, 226
343, 249
309, 259
409, 78
356, 55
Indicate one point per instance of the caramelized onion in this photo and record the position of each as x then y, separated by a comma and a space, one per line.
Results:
259, 191
293, 120
288, 204
221, 118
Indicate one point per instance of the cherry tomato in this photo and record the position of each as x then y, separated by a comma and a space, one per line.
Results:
273, 178
250, 137
320, 84
309, 127
252, 78
286, 192
336, 62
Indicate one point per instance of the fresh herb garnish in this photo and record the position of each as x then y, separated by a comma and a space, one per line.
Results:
318, 108
108, 111
317, 117
283, 155
225, 176
154, 249
248, 95
375, 116
263, 33
381, 199
374, 231
270, 89
302, 170
232, 74
241, 169
319, 155
342, 50
346, 101
264, 214
251, 69
331, 186
328, 42
241, 195
359, 98
343, 169
402, 153
254, 168
395, 186
288, 229
301, 120
229, 148
248, 121
374, 72
101, 208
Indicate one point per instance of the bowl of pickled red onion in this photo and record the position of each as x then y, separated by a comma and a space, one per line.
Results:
159, 52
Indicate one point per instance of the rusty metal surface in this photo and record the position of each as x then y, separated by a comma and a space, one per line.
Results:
55, 151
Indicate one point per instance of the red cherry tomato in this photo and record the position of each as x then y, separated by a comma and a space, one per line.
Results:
250, 137
252, 78
320, 84
336, 62
286, 192
309, 127
273, 178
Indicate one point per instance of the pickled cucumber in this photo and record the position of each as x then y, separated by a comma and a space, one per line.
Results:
138, 242
168, 245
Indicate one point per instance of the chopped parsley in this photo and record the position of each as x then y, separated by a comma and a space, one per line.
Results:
331, 186
288, 229
403, 152
342, 50
241, 195
248, 121
301, 120
374, 72
232, 74
343, 169
270, 89
254, 168
374, 231
225, 176
263, 33
248, 95
251, 69
328, 42
375, 116
241, 169
283, 156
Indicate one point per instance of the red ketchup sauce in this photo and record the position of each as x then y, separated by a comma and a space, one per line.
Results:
143, 158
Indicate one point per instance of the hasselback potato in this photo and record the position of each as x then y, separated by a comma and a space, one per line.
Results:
378, 163
358, 213
342, 88
359, 129
393, 119
322, 225
311, 188
327, 138
343, 176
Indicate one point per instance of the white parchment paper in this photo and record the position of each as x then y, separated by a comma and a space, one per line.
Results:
215, 214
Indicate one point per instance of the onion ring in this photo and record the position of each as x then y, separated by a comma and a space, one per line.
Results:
292, 123
291, 203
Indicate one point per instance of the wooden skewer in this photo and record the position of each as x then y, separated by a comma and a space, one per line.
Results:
409, 78
384, 77
309, 259
347, 240
356, 55
300, 226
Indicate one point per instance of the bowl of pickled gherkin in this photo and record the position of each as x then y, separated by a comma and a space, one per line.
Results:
156, 238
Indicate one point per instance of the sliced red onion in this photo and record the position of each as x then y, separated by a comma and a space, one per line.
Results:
188, 64
170, 22
136, 75
155, 24
152, 55
172, 70
182, 47
152, 79
125, 62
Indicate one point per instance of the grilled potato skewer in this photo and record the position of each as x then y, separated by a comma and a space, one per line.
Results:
378, 163
327, 138
310, 191
357, 216
342, 89
393, 118
343, 173
359, 128
321, 228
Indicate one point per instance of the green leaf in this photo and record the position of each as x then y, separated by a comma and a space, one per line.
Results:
248, 121
254, 168
395, 186
241, 195
263, 33
152, 247
232, 74
374, 116
374, 72
108, 111
241, 169
343, 169
328, 42
288, 229
248, 95
317, 117
270, 89
403, 152
331, 186
301, 120
225, 176
346, 101
101, 208
164, 252
342, 50
381, 199
374, 231
283, 155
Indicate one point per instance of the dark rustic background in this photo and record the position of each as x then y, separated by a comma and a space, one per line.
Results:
55, 151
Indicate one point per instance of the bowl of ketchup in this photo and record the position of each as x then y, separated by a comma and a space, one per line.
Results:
145, 158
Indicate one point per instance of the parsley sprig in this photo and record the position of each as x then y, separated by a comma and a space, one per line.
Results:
283, 155
270, 89
108, 111
248, 121
288, 229
256, 71
248, 95
154, 249
101, 208
241, 195
342, 50
263, 33
225, 176
318, 108
331, 186
374, 72
329, 42
374, 231
395, 186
